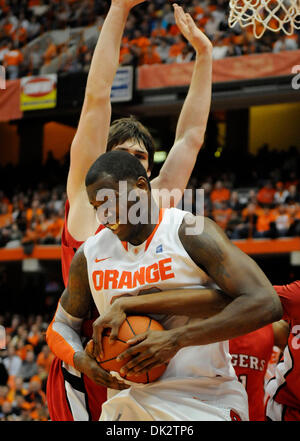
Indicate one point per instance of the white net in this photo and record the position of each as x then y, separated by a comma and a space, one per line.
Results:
262, 15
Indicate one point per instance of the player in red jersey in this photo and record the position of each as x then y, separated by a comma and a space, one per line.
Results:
283, 390
250, 356
80, 399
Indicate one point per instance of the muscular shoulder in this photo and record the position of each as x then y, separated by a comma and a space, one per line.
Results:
202, 237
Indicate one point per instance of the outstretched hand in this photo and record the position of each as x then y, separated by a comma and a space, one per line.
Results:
190, 31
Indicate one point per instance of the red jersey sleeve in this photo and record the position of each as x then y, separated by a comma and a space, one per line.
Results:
290, 300
69, 246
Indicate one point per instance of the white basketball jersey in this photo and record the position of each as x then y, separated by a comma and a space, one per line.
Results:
161, 263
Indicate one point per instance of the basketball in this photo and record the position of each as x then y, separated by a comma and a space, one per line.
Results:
132, 326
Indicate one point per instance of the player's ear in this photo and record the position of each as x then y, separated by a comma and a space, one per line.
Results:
149, 173
142, 183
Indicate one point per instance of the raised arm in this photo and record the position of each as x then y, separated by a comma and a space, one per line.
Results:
92, 133
63, 334
192, 122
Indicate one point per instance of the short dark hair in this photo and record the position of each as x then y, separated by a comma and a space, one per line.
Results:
123, 129
121, 165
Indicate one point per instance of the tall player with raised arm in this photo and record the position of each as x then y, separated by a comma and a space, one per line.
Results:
81, 399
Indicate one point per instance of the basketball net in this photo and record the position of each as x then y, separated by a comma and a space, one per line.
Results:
274, 15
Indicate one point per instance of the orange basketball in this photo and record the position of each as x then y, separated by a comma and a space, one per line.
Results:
133, 325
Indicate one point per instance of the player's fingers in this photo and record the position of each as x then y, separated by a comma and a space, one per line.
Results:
137, 339
181, 20
190, 22
114, 332
151, 366
97, 337
130, 352
116, 384
104, 378
142, 366
89, 349
131, 365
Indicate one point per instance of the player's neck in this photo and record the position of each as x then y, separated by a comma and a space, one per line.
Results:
147, 229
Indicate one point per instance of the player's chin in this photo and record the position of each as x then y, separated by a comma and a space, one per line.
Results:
120, 230
127, 232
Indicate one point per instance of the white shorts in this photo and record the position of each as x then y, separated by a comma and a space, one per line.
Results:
274, 410
167, 404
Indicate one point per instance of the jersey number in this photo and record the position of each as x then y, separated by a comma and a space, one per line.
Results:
243, 379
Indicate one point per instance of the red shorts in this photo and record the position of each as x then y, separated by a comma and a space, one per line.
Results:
73, 397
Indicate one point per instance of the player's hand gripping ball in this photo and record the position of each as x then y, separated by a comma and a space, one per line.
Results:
132, 326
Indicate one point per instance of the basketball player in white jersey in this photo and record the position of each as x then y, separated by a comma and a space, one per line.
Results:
199, 382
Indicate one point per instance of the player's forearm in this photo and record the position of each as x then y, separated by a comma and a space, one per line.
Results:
242, 316
106, 55
194, 114
198, 303
62, 336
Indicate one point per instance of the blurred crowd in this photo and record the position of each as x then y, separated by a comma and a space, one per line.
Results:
266, 205
151, 35
32, 217
24, 368
271, 211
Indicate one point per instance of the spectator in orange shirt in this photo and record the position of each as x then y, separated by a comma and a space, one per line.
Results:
176, 48
45, 357
54, 229
139, 40
265, 224
12, 61
22, 349
265, 195
150, 56
222, 214
34, 210
247, 227
16, 388
20, 35
34, 336
219, 193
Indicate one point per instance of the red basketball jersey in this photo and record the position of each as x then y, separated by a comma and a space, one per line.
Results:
69, 246
250, 356
287, 381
